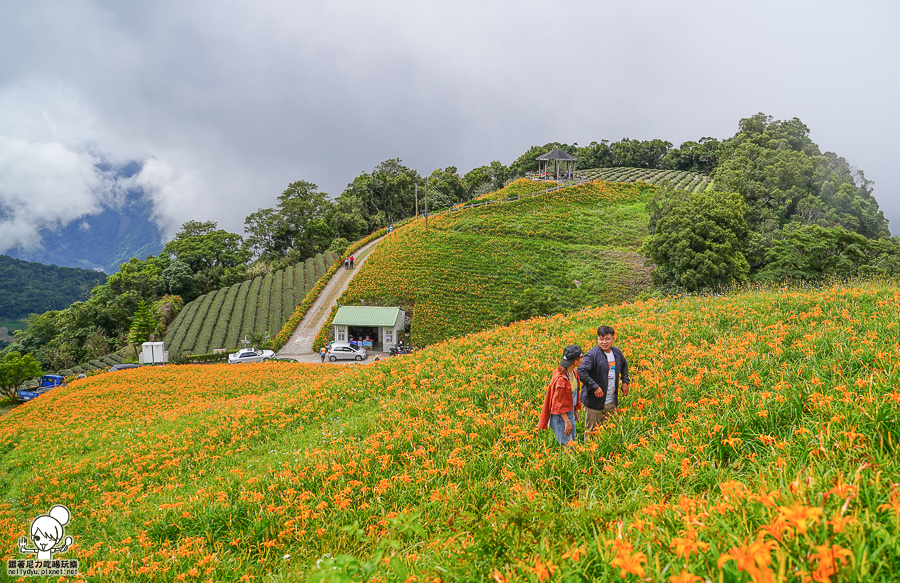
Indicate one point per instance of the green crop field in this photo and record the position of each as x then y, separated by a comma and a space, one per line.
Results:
8, 329
679, 179
220, 319
578, 245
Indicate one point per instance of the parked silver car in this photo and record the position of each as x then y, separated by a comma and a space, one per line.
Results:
250, 355
345, 351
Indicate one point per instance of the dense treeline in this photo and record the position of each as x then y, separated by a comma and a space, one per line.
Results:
200, 259
31, 288
772, 206
781, 209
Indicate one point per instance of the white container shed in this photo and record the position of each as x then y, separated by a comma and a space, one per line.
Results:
153, 353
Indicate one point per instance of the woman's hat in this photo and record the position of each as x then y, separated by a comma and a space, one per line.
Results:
571, 353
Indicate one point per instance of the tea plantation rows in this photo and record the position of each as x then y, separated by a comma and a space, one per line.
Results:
679, 179
220, 319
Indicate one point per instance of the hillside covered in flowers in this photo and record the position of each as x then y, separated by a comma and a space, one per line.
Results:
464, 271
759, 443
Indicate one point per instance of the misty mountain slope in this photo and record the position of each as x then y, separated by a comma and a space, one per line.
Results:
102, 241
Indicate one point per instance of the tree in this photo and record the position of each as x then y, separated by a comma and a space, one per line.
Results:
697, 240
814, 252
339, 245
485, 179
697, 157
180, 280
144, 327
348, 217
445, 189
639, 154
216, 257
594, 155
296, 227
784, 178
15, 368
383, 197
476, 179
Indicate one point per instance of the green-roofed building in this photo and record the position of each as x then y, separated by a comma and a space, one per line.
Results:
374, 327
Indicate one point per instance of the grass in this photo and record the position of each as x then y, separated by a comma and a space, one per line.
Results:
13, 325
759, 443
7, 330
461, 275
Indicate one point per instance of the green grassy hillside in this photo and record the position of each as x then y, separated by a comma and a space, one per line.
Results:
220, 319
577, 245
759, 443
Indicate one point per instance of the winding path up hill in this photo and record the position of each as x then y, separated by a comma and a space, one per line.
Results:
301, 341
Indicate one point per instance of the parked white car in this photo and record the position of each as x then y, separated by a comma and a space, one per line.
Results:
345, 351
250, 355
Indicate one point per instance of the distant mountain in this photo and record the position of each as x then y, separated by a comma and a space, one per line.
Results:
103, 241
34, 288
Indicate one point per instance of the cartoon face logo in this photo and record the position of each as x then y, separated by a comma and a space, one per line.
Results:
46, 531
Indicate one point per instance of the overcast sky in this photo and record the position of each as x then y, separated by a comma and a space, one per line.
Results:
227, 102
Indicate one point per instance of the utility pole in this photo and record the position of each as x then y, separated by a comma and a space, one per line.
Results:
417, 201
426, 203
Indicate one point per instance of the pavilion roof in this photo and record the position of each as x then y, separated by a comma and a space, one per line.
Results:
557, 154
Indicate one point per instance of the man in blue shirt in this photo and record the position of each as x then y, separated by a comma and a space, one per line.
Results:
603, 372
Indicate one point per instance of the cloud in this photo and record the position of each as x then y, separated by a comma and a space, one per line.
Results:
48, 174
225, 103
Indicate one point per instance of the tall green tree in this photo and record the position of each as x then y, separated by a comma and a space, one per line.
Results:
701, 157
216, 257
144, 327
639, 154
297, 227
697, 239
384, 196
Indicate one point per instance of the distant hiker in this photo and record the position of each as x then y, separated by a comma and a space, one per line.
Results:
322, 352
346, 263
563, 397
351, 262
600, 372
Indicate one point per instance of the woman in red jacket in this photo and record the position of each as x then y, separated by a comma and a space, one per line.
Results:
563, 397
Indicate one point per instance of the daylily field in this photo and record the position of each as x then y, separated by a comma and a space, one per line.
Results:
759, 443
463, 272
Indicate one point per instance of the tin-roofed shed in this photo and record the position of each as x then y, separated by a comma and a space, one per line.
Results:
381, 325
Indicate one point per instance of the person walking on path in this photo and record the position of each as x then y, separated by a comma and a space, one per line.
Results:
322, 352
601, 371
351, 262
563, 398
347, 263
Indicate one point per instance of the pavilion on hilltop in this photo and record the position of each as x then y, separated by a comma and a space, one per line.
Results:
556, 161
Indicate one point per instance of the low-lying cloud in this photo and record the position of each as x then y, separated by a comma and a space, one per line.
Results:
224, 103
